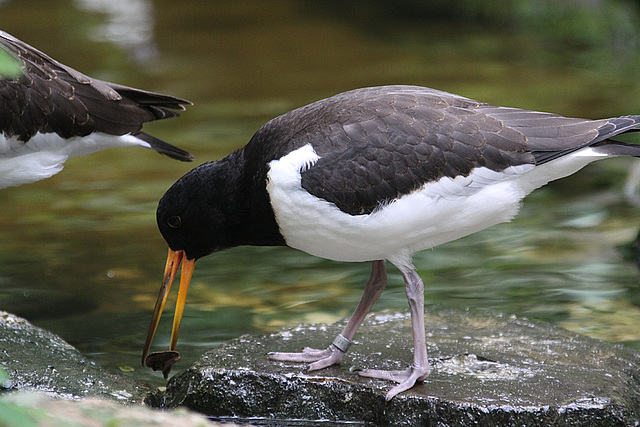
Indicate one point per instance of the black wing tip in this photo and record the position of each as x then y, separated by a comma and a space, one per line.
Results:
152, 100
166, 149
174, 153
178, 154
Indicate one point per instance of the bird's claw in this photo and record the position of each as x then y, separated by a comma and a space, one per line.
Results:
406, 378
317, 359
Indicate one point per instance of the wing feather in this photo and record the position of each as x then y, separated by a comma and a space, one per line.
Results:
377, 144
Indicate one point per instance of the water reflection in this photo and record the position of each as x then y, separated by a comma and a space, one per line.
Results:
128, 24
80, 253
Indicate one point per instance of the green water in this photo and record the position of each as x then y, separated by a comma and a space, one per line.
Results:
80, 253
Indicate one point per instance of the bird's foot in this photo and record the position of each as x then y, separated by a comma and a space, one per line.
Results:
318, 359
406, 378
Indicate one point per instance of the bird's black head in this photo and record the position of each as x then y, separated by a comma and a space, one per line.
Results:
201, 212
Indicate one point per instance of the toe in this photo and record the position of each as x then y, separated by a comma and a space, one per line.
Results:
396, 376
304, 357
405, 379
318, 359
403, 386
334, 358
415, 375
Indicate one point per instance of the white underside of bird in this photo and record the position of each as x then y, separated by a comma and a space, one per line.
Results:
44, 154
437, 213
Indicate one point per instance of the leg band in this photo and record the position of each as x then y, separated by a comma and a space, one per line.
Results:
341, 343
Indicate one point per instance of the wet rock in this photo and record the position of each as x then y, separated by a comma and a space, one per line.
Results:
36, 409
487, 370
37, 360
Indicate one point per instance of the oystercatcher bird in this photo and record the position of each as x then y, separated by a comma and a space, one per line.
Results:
373, 174
50, 112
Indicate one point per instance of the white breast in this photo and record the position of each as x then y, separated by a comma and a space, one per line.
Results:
437, 213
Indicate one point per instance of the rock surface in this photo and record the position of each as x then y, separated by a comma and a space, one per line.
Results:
37, 360
487, 370
45, 381
37, 409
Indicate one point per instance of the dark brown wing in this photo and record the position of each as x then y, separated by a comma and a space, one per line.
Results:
377, 144
48, 96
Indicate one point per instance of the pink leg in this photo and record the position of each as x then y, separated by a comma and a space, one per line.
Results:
333, 354
420, 368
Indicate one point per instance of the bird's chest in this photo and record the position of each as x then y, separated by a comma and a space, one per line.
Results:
436, 213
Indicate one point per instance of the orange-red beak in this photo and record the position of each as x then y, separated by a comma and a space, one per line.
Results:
173, 262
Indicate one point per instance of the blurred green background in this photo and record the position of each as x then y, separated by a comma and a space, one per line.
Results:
80, 253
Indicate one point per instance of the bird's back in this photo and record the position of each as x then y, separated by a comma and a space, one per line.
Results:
377, 144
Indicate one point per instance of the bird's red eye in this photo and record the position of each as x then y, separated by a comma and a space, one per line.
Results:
174, 221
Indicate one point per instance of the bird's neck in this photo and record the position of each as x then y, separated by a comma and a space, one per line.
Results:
255, 223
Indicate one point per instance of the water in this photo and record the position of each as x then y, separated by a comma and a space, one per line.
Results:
80, 253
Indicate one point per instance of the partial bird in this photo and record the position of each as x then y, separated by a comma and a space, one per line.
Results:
374, 174
50, 112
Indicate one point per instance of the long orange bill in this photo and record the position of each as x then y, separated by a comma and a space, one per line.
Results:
185, 278
173, 262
